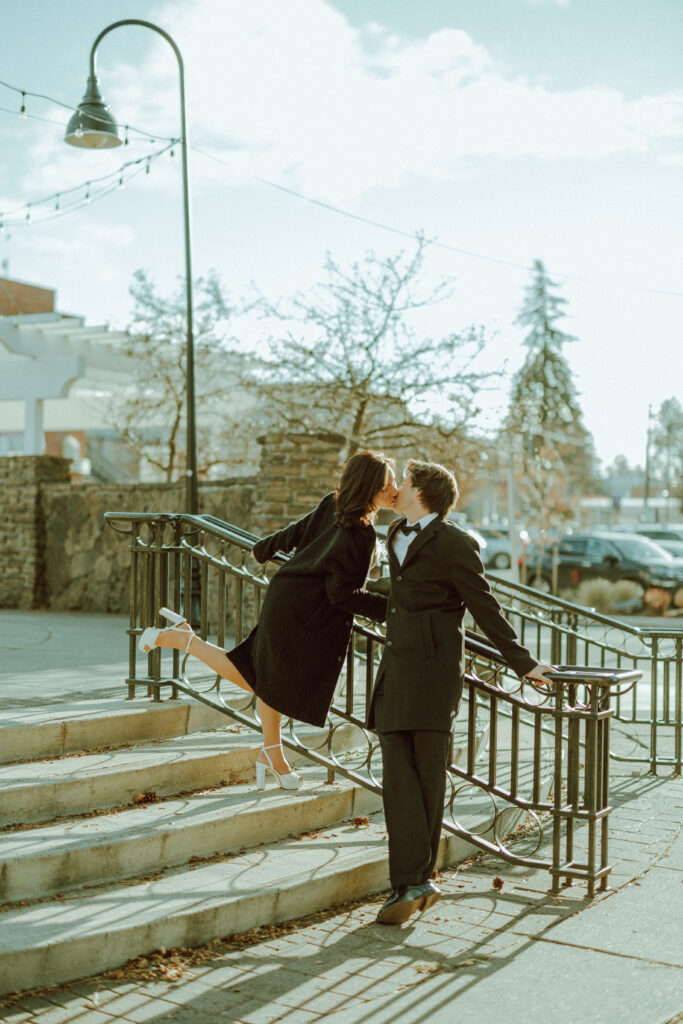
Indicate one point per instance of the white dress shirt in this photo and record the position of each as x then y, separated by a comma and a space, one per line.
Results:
402, 541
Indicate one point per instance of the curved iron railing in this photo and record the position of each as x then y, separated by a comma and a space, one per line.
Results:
648, 726
521, 757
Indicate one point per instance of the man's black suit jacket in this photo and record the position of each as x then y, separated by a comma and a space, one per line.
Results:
422, 667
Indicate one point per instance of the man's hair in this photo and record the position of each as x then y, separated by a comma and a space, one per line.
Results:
437, 485
361, 480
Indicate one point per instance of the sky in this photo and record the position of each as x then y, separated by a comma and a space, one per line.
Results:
505, 130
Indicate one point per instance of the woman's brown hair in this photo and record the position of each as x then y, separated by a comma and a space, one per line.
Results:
362, 478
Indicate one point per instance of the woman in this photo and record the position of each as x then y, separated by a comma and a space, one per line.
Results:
292, 659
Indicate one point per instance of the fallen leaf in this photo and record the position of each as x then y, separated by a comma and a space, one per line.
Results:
497, 883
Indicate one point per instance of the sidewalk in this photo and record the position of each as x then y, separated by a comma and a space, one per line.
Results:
514, 954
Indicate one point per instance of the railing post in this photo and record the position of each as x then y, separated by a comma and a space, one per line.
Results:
653, 706
573, 772
603, 754
678, 727
557, 788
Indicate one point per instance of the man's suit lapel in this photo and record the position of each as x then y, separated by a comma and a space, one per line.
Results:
391, 532
423, 537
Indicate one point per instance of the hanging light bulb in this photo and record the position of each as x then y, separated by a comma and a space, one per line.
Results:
86, 198
120, 185
28, 214
125, 138
147, 167
22, 111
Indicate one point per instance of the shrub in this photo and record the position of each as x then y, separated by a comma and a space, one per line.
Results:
607, 597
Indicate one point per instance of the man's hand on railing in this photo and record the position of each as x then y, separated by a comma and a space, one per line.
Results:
542, 674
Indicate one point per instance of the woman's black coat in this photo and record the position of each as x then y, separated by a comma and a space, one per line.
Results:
293, 657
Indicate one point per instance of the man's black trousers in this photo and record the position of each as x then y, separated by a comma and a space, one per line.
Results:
413, 789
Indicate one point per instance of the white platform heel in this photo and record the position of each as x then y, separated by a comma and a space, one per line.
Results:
148, 638
288, 781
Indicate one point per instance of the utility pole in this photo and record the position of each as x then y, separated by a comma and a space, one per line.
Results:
512, 529
647, 464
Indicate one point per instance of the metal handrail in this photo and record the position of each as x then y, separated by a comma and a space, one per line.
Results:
560, 602
499, 744
649, 724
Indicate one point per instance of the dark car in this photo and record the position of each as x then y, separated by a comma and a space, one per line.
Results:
603, 555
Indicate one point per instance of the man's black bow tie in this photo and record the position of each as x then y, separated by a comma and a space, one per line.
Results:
405, 528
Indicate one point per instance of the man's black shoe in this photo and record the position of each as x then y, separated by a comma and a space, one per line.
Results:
405, 900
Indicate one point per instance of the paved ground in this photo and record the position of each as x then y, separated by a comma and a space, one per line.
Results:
513, 953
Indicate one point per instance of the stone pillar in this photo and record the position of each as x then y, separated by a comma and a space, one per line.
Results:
22, 527
297, 470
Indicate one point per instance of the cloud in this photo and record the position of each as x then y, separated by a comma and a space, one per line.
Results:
294, 93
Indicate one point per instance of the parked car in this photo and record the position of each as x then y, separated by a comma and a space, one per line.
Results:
496, 552
668, 535
605, 555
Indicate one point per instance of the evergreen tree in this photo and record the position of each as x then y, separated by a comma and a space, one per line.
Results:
544, 422
667, 444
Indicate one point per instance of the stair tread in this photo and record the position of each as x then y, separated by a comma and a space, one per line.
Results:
72, 766
169, 813
266, 869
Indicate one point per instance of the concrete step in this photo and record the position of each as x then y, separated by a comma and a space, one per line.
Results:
56, 729
36, 791
54, 941
50, 859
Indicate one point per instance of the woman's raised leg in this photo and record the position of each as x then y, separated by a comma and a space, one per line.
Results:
212, 655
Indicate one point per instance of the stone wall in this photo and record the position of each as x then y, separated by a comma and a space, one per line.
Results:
296, 471
57, 550
23, 482
87, 562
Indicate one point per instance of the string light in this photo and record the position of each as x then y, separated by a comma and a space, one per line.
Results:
67, 106
68, 200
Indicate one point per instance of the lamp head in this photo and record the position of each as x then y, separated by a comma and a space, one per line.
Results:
92, 126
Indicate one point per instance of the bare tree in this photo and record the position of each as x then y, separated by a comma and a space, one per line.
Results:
347, 361
150, 413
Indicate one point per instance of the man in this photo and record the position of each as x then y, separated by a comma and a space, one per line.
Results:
436, 573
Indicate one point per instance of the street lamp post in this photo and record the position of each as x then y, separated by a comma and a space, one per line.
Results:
93, 126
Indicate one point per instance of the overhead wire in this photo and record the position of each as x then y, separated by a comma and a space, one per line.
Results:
435, 243
330, 207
